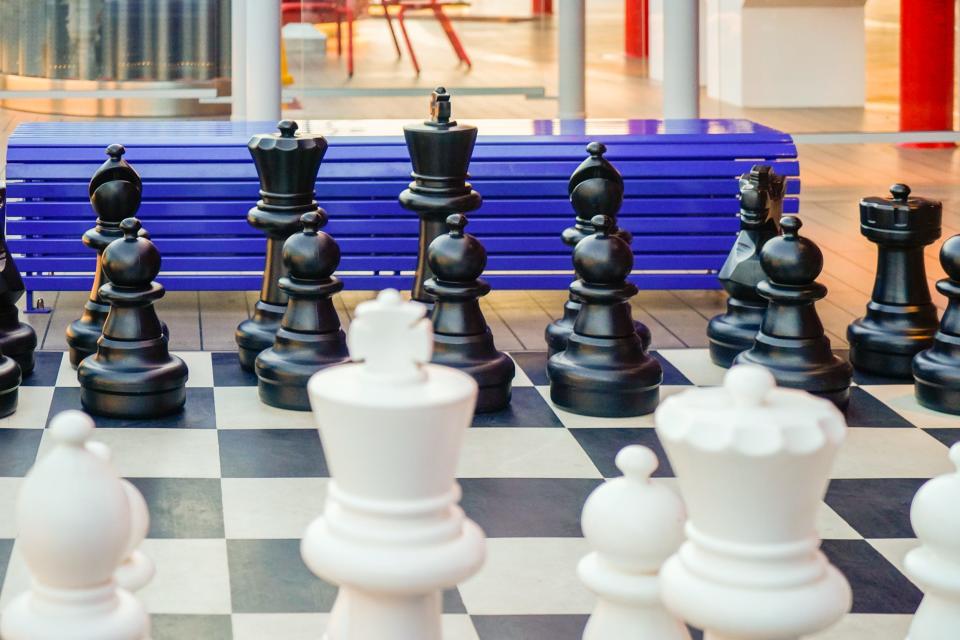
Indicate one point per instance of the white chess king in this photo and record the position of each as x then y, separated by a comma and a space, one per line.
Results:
392, 534
935, 565
753, 462
74, 525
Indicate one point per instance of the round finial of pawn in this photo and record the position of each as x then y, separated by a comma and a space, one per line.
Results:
749, 384
71, 428
900, 192
457, 256
116, 151
288, 128
311, 254
133, 260
596, 149
790, 259
634, 523
950, 257
604, 257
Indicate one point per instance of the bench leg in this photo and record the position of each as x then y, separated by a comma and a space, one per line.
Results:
35, 308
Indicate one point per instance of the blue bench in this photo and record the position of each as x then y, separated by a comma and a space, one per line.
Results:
199, 182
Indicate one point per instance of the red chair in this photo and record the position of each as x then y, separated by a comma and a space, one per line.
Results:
437, 7
324, 11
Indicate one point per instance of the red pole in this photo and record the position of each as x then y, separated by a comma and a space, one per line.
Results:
926, 67
636, 31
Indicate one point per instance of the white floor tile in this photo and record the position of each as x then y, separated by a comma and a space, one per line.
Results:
696, 365
574, 421
33, 406
271, 507
900, 398
192, 577
890, 453
240, 408
524, 453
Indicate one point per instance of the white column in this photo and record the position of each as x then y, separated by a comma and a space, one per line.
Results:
238, 59
263, 60
681, 59
571, 43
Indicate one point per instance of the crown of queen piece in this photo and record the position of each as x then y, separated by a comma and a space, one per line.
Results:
287, 163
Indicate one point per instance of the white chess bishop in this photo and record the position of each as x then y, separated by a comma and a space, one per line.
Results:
392, 534
137, 569
935, 565
633, 525
753, 462
73, 516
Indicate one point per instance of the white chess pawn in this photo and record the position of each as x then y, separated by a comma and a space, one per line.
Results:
753, 462
392, 534
137, 569
74, 521
634, 525
935, 565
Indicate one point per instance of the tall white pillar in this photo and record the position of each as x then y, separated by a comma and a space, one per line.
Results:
681, 59
263, 60
571, 43
238, 59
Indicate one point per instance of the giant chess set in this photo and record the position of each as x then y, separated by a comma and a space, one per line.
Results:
407, 480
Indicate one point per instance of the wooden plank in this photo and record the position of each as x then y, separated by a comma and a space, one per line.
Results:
69, 306
180, 310
503, 336
39, 321
219, 314
680, 319
525, 318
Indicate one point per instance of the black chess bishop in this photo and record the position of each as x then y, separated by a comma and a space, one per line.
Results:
132, 374
595, 188
115, 192
901, 319
461, 337
287, 164
440, 151
936, 370
309, 338
791, 342
761, 205
605, 370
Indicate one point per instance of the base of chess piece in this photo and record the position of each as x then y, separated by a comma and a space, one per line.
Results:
256, 334
142, 383
937, 378
886, 340
284, 369
558, 331
733, 332
18, 340
477, 356
10, 377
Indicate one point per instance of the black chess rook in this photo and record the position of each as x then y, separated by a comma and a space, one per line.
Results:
936, 370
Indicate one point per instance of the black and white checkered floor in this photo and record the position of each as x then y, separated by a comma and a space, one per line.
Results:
232, 484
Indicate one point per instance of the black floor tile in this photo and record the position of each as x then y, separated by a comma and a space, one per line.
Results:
45, 370
948, 437
271, 453
878, 587
269, 576
865, 410
526, 507
602, 445
198, 413
533, 627
671, 375
534, 364
18, 451
877, 507
227, 371
527, 409
183, 507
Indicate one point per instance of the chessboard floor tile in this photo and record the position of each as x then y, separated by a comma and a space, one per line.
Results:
526, 507
534, 365
695, 366
200, 367
520, 378
33, 406
8, 503
866, 453
198, 412
602, 445
310, 626
227, 371
530, 627
877, 507
867, 626
575, 421
66, 374
45, 370
900, 398
18, 450
877, 585
866, 410
523, 453
240, 408
527, 409
529, 576
269, 576
192, 577
271, 507
895, 550
183, 507
272, 453
949, 437
191, 627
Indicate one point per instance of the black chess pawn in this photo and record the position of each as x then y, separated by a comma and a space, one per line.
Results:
309, 338
595, 188
287, 165
461, 337
605, 370
901, 319
440, 151
761, 203
132, 374
791, 342
115, 192
18, 340
936, 371
10, 378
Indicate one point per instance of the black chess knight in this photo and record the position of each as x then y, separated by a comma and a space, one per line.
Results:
309, 338
287, 165
605, 370
761, 205
901, 319
440, 151
936, 371
791, 342
595, 188
132, 374
461, 337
